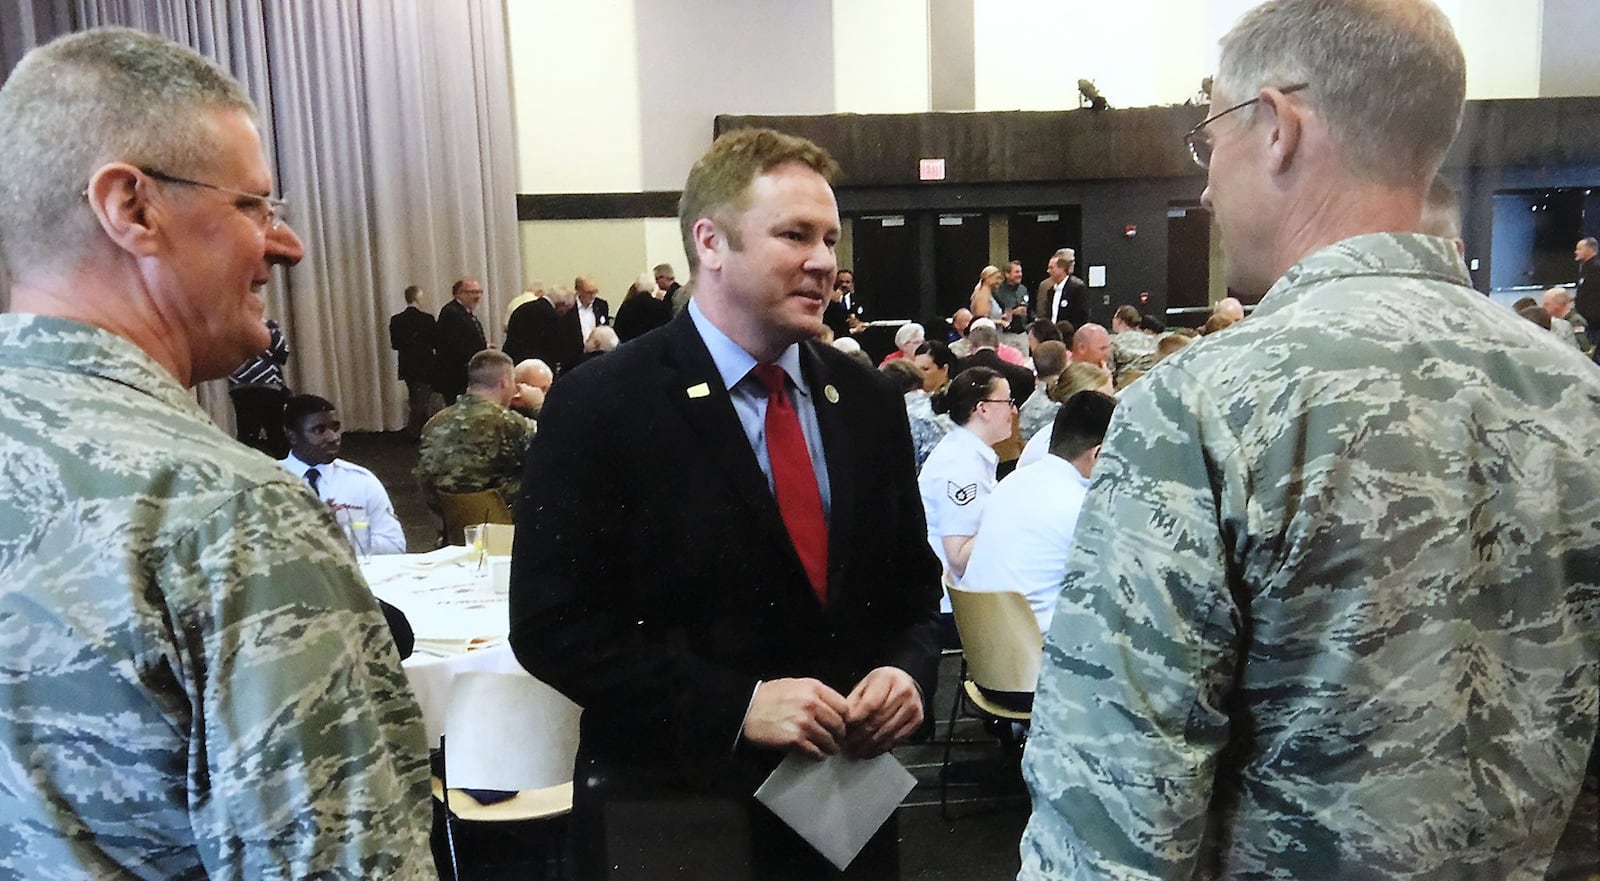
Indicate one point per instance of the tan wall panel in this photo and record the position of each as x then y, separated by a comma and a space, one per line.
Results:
558, 251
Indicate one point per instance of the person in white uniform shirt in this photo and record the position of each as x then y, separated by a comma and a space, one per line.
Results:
1026, 534
357, 499
959, 474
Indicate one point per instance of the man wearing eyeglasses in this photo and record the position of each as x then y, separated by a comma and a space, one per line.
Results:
1330, 612
197, 682
460, 336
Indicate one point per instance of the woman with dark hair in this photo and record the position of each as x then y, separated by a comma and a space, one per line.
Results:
959, 473
935, 361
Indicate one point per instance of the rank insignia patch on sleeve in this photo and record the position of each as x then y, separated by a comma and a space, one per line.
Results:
961, 495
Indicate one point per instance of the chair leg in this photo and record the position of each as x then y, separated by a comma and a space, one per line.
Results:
449, 827
949, 739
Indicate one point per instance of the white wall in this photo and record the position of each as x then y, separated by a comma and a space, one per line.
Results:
575, 81
1501, 39
880, 56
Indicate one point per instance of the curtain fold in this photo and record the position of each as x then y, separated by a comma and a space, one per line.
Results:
389, 129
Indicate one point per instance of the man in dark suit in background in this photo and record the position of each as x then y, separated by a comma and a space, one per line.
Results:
772, 591
411, 334
460, 336
548, 329
593, 311
1062, 294
1586, 299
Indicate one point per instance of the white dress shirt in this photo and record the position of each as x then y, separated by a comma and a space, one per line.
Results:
1026, 534
359, 503
586, 319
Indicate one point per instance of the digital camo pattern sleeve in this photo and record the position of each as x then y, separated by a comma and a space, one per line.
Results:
194, 681
306, 731
1128, 718
1334, 607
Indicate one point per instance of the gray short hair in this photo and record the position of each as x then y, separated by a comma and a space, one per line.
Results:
86, 99
983, 335
1388, 76
907, 332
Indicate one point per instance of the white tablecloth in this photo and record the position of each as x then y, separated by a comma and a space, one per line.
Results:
460, 621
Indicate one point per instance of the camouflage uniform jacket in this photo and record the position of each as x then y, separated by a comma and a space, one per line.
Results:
1334, 593
1133, 350
927, 427
1037, 413
473, 445
196, 681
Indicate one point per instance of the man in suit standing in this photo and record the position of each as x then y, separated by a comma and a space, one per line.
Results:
592, 311
548, 329
744, 608
1587, 295
411, 334
1062, 294
460, 336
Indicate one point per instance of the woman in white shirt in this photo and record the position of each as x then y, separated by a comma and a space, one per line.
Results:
959, 473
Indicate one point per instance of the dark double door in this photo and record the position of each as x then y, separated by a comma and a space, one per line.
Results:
922, 265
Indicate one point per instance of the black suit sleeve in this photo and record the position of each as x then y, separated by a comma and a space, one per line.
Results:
399, 627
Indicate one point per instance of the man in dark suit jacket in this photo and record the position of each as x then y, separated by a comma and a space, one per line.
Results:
460, 336
1062, 294
1586, 299
548, 329
593, 311
639, 314
771, 590
985, 342
411, 334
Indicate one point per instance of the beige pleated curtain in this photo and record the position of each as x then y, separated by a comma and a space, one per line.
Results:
389, 126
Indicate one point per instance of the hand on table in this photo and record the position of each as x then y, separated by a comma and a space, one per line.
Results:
882, 710
797, 714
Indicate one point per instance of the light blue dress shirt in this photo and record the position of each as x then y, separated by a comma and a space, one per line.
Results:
749, 399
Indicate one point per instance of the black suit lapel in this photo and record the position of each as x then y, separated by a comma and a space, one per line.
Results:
695, 388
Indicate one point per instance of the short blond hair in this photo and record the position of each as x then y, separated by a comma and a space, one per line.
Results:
719, 184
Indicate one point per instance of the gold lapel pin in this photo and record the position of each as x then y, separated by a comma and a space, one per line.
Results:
831, 393
699, 390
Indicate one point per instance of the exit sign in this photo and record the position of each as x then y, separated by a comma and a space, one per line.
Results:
930, 169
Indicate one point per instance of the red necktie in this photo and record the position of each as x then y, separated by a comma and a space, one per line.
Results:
794, 481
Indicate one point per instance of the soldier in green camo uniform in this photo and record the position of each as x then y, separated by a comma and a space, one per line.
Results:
194, 680
477, 443
1333, 609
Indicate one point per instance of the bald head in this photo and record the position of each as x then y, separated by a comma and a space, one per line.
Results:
1557, 302
1229, 308
1091, 344
534, 372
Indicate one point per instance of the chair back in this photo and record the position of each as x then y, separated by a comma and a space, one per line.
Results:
461, 510
497, 539
508, 731
1000, 638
